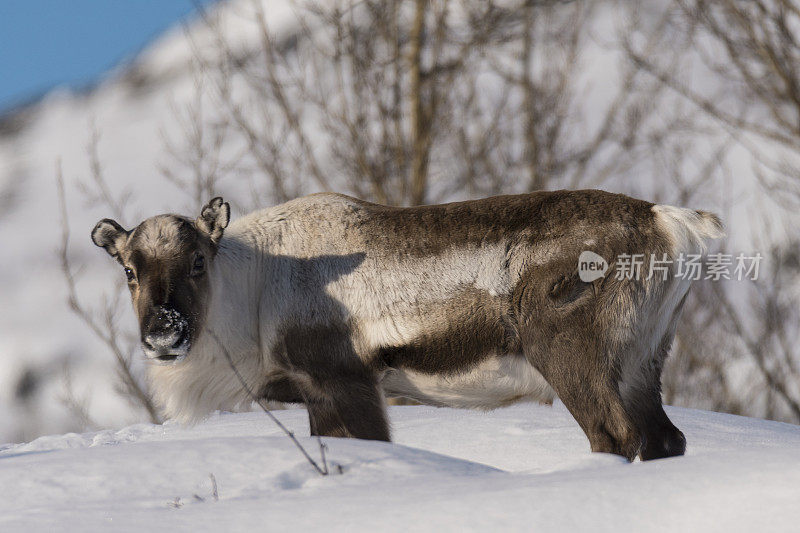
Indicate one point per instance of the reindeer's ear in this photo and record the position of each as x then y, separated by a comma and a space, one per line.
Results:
214, 218
109, 235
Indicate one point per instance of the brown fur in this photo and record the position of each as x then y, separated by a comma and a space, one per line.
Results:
431, 229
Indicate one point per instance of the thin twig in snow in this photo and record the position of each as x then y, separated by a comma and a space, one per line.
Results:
322, 470
214, 490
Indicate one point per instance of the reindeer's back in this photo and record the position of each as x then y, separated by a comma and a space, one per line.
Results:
398, 273
328, 222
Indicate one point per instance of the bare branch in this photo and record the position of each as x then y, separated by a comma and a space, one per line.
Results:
104, 329
322, 470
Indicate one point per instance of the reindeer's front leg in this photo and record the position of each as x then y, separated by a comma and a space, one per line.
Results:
339, 390
349, 408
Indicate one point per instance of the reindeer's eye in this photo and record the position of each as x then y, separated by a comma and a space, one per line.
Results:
199, 265
129, 274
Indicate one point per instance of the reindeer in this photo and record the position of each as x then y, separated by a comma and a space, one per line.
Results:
331, 301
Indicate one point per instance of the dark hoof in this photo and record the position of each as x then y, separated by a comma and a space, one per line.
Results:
667, 444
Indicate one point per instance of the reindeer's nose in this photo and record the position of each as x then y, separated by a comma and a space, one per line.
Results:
163, 341
167, 331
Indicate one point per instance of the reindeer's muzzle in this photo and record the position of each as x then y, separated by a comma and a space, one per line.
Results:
166, 338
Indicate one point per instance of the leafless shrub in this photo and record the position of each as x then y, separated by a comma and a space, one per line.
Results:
753, 49
76, 404
97, 191
102, 323
748, 53
197, 162
408, 102
766, 329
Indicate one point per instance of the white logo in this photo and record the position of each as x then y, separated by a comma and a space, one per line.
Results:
591, 266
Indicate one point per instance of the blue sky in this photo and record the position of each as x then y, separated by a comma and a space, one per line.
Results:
44, 43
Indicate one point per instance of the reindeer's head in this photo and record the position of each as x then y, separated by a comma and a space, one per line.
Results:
166, 259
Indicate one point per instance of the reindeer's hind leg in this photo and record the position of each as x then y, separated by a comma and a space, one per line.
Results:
562, 339
641, 393
340, 392
643, 402
588, 390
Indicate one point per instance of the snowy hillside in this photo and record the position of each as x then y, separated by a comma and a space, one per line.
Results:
525, 468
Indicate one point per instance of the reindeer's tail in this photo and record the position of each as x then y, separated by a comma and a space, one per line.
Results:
687, 230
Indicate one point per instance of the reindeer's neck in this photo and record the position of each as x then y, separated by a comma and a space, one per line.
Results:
204, 381
236, 286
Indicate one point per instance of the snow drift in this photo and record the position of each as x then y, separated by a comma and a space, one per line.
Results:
524, 468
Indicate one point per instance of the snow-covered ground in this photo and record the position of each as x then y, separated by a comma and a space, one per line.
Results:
524, 468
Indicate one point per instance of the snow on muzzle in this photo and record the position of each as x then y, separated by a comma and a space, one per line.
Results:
166, 340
